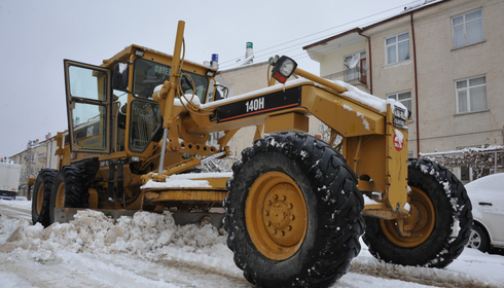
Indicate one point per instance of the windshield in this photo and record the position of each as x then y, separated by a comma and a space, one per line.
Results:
147, 75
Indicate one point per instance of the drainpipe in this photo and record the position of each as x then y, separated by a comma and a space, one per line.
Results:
369, 65
416, 86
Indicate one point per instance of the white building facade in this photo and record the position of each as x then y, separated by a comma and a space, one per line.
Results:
443, 60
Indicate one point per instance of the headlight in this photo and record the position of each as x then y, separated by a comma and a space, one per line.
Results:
283, 69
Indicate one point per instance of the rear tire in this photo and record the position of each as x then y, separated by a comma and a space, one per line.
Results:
479, 239
448, 226
70, 190
315, 210
41, 196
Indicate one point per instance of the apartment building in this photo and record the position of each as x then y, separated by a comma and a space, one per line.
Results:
37, 156
442, 59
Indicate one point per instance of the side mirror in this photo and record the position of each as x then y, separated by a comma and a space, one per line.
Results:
120, 76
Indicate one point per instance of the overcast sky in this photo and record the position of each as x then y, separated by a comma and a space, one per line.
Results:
36, 35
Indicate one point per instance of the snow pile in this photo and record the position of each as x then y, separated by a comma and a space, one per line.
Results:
93, 231
149, 250
100, 252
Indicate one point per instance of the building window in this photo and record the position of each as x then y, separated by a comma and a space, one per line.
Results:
465, 174
405, 99
471, 94
397, 48
467, 29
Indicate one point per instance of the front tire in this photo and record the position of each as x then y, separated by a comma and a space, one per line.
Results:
479, 239
41, 196
69, 190
442, 213
293, 213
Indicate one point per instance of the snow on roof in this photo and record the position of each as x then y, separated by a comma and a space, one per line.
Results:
245, 62
242, 67
407, 10
490, 148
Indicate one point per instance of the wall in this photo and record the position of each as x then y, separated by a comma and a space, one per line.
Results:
397, 77
438, 67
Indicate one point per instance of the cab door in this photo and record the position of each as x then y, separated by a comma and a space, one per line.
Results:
88, 94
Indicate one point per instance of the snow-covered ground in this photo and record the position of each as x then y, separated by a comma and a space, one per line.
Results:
149, 250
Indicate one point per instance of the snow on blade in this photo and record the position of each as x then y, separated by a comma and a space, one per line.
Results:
186, 180
176, 183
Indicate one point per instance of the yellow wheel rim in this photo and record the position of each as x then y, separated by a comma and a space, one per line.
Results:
276, 215
40, 198
420, 223
60, 196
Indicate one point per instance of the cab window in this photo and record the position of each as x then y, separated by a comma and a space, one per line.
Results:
145, 122
148, 74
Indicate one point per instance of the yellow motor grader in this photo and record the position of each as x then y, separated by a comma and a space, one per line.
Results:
294, 206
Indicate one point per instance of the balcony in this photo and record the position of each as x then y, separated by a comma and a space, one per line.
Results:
354, 76
42, 157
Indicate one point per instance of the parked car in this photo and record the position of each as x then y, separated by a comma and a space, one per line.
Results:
487, 198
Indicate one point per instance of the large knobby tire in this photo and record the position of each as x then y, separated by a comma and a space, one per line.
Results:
293, 213
70, 190
443, 222
479, 239
41, 196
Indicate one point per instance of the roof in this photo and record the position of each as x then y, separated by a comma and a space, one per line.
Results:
242, 67
425, 5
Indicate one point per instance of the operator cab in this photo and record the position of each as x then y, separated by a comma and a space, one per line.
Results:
110, 108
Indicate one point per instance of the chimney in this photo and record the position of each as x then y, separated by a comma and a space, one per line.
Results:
249, 54
250, 49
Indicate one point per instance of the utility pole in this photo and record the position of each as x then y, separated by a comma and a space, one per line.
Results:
29, 159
